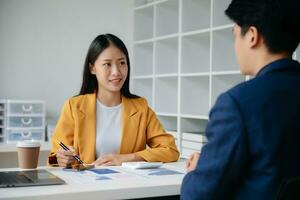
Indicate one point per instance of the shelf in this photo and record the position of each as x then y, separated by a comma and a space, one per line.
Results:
195, 53
195, 95
142, 77
166, 37
193, 125
169, 123
195, 15
167, 17
165, 75
143, 20
219, 17
166, 95
143, 59
227, 26
225, 72
143, 88
24, 115
184, 58
166, 56
139, 3
221, 83
223, 53
166, 114
205, 117
195, 74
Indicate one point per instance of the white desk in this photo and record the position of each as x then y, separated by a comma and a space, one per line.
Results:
139, 187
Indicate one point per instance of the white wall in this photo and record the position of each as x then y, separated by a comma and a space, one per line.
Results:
43, 44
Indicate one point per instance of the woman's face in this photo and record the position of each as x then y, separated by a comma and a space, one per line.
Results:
110, 69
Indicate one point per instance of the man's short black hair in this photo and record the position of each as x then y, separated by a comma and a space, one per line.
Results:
278, 21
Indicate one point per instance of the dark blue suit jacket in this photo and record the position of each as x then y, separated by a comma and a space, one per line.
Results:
253, 138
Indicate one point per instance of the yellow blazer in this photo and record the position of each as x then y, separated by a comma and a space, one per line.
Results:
140, 128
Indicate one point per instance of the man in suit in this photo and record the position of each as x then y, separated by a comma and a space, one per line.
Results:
254, 129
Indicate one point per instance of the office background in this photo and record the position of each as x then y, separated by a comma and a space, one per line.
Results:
44, 44
181, 53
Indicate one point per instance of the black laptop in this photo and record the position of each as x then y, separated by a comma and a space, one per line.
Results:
28, 178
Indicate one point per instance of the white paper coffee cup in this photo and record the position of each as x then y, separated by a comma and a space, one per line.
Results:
28, 154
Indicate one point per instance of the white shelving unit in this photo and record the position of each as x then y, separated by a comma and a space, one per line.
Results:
183, 59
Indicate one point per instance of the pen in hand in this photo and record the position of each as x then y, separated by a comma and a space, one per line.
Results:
76, 157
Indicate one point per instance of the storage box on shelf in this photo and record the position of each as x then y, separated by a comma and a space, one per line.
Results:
2, 120
183, 59
25, 120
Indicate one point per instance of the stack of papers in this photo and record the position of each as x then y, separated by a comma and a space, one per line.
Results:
142, 165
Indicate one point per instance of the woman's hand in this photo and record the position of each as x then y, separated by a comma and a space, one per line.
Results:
116, 159
191, 163
65, 158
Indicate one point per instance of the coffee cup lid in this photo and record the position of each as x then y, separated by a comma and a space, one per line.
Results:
28, 143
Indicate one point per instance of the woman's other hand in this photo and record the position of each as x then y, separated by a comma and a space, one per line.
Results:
116, 159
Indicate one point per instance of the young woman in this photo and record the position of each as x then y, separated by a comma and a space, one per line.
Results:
106, 124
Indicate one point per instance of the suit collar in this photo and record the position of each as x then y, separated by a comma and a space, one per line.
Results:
88, 104
285, 63
130, 125
128, 107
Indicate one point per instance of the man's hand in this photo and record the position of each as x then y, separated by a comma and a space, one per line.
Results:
191, 163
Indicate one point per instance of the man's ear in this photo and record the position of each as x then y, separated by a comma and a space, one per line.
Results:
253, 37
92, 69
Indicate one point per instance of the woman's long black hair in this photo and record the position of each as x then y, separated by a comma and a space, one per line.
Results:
101, 42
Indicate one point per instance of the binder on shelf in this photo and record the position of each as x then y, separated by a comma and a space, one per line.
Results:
192, 145
197, 137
